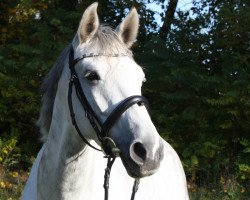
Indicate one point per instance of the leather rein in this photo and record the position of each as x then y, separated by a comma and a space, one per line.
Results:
101, 129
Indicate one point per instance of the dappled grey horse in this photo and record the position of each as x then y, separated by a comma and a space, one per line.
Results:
92, 100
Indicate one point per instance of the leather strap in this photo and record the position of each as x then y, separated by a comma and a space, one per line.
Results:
72, 114
119, 110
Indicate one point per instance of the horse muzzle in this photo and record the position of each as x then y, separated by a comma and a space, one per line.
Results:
142, 159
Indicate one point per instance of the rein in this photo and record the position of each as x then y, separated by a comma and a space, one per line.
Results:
101, 129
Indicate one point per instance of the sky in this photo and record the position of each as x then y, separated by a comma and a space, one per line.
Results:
182, 5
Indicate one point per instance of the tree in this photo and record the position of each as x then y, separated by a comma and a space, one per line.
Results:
167, 21
200, 88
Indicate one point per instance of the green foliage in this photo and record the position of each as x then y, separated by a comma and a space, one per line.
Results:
26, 57
233, 192
243, 161
6, 153
198, 86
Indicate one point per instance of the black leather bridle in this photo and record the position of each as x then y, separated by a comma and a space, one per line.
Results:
102, 129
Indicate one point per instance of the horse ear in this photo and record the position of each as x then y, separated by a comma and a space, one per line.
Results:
128, 29
89, 23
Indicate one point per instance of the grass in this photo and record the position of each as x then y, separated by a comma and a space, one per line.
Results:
207, 194
225, 189
12, 183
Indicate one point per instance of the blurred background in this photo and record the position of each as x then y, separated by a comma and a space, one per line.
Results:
196, 57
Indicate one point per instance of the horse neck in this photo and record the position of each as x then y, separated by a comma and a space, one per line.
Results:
66, 157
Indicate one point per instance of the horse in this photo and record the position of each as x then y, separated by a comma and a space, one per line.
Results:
91, 100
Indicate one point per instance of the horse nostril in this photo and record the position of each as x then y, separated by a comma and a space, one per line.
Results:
140, 150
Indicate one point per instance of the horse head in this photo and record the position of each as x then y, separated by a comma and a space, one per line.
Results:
108, 74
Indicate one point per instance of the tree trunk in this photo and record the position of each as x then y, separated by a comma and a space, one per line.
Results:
169, 16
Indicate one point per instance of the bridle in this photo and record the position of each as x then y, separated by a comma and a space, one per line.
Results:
101, 129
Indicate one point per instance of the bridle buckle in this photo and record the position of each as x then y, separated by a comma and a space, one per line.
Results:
109, 147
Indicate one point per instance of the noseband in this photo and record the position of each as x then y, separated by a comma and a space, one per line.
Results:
102, 129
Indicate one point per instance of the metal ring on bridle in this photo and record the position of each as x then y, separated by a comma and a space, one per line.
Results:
109, 147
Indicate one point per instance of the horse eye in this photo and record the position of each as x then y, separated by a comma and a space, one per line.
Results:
92, 76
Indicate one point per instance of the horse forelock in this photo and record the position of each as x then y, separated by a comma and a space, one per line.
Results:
105, 41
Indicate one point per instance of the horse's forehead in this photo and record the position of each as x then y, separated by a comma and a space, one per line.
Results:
126, 73
114, 65
129, 65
